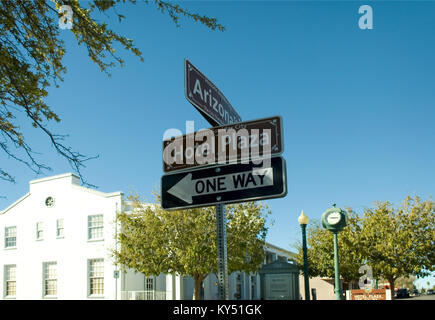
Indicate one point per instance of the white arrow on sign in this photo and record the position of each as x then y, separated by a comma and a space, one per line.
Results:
187, 187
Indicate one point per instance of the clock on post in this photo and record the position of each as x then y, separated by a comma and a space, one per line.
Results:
334, 219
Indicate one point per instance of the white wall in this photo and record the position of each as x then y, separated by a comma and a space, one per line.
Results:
324, 288
73, 204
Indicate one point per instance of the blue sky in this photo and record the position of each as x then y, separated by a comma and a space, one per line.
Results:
358, 105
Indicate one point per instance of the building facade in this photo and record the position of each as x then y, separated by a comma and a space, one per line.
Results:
57, 243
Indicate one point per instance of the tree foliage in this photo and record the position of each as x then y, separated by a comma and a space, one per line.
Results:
31, 53
154, 241
395, 242
399, 242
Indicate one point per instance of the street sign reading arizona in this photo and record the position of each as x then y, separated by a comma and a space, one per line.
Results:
207, 98
224, 184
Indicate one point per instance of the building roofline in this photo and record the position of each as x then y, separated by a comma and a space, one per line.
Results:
15, 203
69, 174
59, 176
268, 244
99, 193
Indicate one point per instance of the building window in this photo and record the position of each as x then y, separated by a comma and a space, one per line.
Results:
10, 281
50, 279
39, 231
59, 228
96, 277
149, 288
49, 202
10, 237
95, 227
149, 283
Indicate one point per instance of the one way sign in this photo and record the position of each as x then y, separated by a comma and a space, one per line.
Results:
224, 184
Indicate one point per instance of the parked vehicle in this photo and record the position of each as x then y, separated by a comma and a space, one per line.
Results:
402, 293
430, 291
415, 293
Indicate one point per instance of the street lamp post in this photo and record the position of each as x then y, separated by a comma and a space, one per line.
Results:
303, 221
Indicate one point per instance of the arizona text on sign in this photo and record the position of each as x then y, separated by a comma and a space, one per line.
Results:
207, 98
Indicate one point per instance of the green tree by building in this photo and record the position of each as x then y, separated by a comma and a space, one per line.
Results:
154, 241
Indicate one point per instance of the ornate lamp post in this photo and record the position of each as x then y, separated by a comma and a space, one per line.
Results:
335, 219
303, 221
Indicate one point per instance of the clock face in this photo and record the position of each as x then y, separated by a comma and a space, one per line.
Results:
334, 218
49, 202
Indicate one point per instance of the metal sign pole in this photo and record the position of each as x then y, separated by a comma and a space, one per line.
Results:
222, 252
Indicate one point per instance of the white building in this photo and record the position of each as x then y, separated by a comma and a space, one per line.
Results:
57, 241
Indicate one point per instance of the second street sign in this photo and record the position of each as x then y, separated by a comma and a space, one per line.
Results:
225, 144
224, 184
207, 98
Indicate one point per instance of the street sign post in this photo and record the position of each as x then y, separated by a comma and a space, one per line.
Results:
224, 184
224, 144
221, 233
207, 98
213, 105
